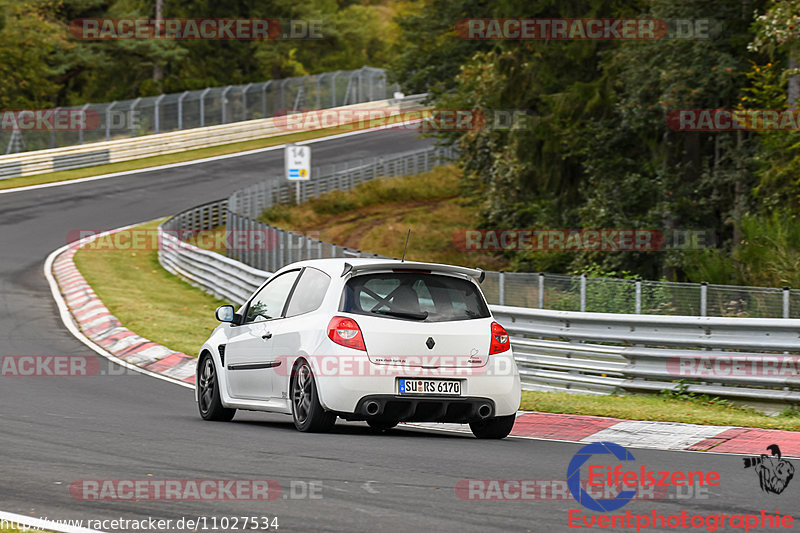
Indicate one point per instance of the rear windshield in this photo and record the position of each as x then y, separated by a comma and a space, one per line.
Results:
414, 296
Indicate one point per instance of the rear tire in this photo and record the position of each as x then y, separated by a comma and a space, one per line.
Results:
308, 414
208, 395
493, 428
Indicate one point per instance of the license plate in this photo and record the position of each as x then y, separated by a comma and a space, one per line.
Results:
429, 386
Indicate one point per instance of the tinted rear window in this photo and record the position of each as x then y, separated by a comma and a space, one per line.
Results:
414, 296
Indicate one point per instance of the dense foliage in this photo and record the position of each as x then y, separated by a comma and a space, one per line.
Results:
594, 150
597, 151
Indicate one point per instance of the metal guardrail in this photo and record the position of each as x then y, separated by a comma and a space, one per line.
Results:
753, 359
208, 107
37, 162
594, 353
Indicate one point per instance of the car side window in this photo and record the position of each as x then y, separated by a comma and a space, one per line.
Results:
309, 293
269, 301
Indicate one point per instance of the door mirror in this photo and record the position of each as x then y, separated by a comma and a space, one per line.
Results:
225, 313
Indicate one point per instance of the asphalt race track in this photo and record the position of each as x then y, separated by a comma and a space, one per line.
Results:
122, 425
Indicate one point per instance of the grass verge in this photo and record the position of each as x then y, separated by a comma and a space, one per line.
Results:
376, 215
179, 157
147, 299
663, 407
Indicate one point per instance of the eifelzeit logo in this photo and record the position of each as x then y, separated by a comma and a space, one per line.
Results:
774, 473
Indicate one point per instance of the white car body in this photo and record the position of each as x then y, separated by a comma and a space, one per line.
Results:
255, 361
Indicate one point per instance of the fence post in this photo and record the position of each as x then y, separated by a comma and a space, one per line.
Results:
333, 87
108, 119
786, 293
264, 98
541, 290
156, 118
501, 282
80, 130
244, 100
180, 109
638, 296
704, 298
224, 102
203, 106
583, 293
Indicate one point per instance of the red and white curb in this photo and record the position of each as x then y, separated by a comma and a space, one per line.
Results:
88, 319
657, 435
673, 436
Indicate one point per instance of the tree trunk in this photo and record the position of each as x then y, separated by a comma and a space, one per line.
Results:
793, 91
158, 72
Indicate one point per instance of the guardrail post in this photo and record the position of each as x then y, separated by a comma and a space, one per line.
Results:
203, 106
501, 283
583, 293
156, 118
638, 296
704, 298
319, 249
786, 294
180, 109
541, 290
224, 102
108, 119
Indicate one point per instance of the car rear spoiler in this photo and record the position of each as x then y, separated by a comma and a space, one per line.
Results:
477, 273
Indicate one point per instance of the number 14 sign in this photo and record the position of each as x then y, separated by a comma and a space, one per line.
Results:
298, 162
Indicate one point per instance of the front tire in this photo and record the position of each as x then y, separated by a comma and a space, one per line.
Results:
493, 428
208, 395
308, 414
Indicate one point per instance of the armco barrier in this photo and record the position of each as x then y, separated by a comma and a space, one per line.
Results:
596, 353
100, 153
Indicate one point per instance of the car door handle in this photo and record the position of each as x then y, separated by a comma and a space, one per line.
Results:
266, 336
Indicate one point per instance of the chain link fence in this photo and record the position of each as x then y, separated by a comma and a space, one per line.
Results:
518, 289
207, 107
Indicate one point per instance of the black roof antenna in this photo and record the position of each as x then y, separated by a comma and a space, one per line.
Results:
406, 247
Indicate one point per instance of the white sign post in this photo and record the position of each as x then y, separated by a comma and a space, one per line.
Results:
298, 165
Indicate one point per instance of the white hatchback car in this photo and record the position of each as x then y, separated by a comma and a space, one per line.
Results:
378, 340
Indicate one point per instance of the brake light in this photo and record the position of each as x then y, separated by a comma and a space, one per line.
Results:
500, 340
345, 332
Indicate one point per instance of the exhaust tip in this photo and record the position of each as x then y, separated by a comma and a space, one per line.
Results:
372, 408
484, 410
